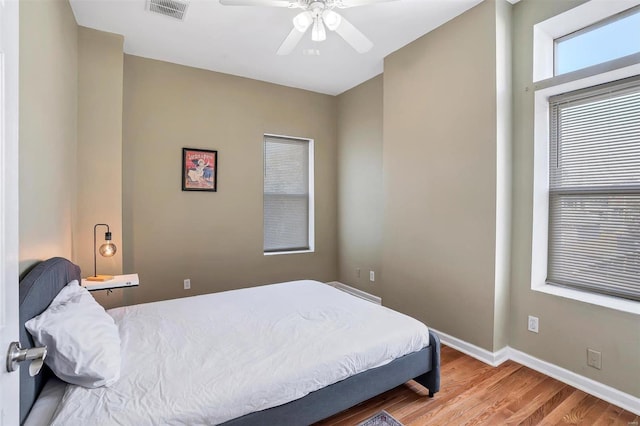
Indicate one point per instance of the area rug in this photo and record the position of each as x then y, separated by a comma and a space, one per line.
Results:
381, 419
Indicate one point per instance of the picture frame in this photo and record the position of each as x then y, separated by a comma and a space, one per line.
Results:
199, 170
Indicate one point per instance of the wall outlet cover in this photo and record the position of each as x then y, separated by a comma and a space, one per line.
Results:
594, 359
533, 324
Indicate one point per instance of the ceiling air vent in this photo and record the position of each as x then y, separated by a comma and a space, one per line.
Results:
173, 8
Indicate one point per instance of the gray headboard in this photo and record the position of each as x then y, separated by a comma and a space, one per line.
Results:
37, 289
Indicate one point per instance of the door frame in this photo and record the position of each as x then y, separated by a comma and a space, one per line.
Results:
9, 246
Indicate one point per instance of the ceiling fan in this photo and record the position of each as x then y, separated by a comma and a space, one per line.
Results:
319, 15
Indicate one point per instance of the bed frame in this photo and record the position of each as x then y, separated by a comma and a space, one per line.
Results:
41, 285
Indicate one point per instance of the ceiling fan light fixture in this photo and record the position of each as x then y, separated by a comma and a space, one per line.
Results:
331, 19
317, 15
318, 32
302, 21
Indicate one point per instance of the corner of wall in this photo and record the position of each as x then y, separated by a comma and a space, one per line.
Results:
99, 151
360, 200
504, 175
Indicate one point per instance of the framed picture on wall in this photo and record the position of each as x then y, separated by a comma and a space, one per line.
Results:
199, 169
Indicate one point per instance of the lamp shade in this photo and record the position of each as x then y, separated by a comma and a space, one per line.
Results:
302, 21
331, 19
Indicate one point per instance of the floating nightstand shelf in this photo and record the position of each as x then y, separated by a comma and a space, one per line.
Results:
118, 281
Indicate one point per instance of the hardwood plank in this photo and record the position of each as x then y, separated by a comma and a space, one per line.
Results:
448, 392
496, 397
536, 411
476, 394
447, 355
523, 410
563, 408
575, 416
547, 407
456, 401
625, 418
609, 416
594, 412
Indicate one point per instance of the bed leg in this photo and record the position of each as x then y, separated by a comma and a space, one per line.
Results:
431, 379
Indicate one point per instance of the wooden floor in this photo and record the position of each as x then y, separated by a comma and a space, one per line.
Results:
474, 393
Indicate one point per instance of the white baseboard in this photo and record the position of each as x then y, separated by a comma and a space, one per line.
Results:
492, 358
585, 384
355, 292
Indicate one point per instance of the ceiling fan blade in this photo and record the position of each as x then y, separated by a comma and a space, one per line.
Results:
290, 42
353, 36
343, 4
272, 3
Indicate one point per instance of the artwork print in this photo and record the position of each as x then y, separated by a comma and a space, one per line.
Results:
199, 169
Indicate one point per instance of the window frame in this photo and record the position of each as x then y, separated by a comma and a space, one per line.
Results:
591, 191
545, 85
311, 196
588, 28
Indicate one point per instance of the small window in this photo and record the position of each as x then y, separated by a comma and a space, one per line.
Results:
607, 40
594, 189
288, 194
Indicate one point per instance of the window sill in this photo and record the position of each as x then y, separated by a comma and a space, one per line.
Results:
614, 303
275, 253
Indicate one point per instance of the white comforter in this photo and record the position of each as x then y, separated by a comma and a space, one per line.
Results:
207, 359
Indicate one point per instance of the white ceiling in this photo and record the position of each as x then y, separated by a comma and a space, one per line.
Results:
243, 40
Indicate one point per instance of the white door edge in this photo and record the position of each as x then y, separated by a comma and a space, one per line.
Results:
9, 382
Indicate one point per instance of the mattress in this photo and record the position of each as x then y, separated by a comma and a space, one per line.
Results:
207, 359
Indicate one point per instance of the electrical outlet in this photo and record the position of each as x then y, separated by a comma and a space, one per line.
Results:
533, 324
187, 284
357, 272
594, 359
372, 276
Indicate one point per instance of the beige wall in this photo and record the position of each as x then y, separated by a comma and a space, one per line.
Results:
99, 165
567, 327
48, 122
360, 198
215, 239
440, 162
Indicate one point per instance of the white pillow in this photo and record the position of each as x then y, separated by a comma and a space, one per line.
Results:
82, 339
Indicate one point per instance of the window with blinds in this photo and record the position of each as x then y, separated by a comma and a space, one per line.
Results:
594, 189
287, 199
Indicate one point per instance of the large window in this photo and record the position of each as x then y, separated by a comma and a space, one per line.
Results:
288, 194
586, 187
594, 189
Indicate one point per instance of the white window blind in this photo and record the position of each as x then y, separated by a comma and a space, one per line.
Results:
286, 194
594, 189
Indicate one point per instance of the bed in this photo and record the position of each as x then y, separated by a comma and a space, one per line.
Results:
333, 394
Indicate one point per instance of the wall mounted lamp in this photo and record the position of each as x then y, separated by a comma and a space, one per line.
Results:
107, 249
